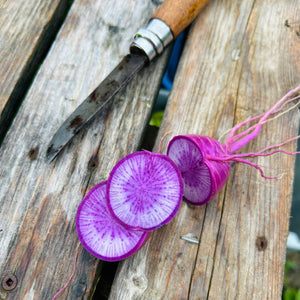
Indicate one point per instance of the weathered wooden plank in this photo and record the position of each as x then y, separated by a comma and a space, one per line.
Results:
239, 59
38, 202
27, 29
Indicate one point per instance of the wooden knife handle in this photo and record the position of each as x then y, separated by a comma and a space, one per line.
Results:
178, 14
170, 19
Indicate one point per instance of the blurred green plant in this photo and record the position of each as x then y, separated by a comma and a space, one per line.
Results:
289, 265
156, 118
289, 293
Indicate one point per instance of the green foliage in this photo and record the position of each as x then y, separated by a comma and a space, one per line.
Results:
156, 118
291, 294
291, 290
289, 265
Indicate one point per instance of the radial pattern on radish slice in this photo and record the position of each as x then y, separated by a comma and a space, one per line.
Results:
202, 178
100, 234
144, 190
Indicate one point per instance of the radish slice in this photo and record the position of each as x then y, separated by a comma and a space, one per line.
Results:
203, 178
144, 190
100, 234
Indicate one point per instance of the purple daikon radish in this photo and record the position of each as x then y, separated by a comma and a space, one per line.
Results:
204, 162
100, 234
203, 178
144, 190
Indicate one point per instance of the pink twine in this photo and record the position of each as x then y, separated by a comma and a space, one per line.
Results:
72, 275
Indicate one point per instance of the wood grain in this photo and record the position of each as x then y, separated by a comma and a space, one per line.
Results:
179, 14
38, 202
239, 59
27, 29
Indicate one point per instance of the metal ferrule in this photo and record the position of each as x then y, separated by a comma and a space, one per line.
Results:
152, 39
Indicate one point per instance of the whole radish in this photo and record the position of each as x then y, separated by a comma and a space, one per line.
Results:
203, 178
204, 162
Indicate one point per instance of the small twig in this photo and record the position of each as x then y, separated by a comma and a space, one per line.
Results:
190, 238
162, 140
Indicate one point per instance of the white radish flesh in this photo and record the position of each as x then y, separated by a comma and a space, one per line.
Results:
144, 190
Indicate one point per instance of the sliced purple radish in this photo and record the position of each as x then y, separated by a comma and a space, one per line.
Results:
144, 190
205, 163
100, 234
203, 178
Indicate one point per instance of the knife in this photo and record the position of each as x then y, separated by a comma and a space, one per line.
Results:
169, 20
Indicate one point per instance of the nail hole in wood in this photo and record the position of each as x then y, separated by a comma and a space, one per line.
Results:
32, 153
286, 23
93, 163
261, 243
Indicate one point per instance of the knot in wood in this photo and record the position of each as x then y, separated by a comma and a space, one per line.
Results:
140, 281
261, 243
93, 163
32, 153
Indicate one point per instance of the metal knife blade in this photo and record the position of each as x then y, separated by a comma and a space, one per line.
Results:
170, 19
107, 89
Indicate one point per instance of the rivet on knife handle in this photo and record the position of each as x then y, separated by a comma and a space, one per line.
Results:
170, 19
